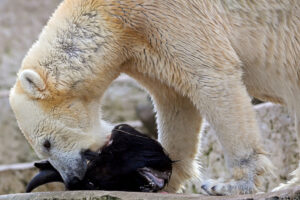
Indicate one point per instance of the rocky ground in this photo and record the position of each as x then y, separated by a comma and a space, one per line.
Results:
291, 194
20, 23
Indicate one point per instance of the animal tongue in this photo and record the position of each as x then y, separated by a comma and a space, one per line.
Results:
47, 174
158, 181
154, 177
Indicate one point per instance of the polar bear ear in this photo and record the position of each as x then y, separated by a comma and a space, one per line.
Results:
33, 84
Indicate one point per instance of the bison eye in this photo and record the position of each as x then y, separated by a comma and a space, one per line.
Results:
47, 144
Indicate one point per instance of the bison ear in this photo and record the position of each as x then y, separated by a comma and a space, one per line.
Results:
33, 84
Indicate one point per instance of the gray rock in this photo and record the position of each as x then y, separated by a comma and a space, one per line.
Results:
146, 114
105, 195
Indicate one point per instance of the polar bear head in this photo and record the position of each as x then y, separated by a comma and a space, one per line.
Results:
59, 129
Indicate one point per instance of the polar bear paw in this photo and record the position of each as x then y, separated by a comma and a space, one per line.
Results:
218, 188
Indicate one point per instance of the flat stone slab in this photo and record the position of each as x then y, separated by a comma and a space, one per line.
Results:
107, 195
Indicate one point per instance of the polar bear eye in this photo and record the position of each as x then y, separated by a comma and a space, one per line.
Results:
47, 144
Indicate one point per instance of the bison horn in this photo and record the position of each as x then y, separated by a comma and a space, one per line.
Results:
47, 174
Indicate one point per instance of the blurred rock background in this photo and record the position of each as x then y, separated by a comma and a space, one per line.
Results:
20, 23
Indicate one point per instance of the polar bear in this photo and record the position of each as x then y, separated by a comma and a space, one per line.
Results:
196, 58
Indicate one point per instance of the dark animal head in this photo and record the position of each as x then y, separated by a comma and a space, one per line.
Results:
130, 161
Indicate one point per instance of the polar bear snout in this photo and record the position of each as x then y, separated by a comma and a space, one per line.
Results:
74, 176
73, 181
71, 166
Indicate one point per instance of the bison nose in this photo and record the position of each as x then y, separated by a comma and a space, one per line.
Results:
73, 183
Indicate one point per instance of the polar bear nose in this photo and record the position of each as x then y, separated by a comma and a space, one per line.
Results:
71, 166
73, 183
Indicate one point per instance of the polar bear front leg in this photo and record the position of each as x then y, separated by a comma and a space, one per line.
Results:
224, 102
179, 125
